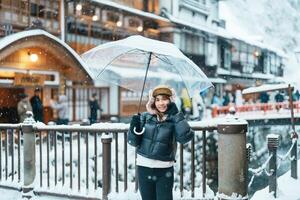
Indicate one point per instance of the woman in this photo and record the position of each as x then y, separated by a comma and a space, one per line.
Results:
155, 134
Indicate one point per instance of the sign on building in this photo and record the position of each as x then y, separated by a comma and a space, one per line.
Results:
28, 80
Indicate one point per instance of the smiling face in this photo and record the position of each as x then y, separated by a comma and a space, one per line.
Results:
161, 103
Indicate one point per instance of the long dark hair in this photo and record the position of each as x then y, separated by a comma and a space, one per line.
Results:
160, 114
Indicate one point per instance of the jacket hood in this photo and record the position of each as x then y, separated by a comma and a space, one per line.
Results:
151, 100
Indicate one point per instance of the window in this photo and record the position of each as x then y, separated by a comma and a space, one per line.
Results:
153, 6
192, 44
88, 10
71, 8
111, 16
272, 59
251, 56
227, 59
133, 22
41, 11
138, 4
244, 53
33, 9
235, 50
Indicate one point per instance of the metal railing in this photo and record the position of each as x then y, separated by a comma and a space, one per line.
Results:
273, 162
70, 157
10, 152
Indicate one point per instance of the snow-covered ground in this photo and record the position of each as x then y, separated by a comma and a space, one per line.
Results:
288, 189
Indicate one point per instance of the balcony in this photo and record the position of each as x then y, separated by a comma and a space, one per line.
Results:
259, 68
236, 65
195, 6
280, 71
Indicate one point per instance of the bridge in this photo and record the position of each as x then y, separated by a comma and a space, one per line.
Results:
94, 162
261, 113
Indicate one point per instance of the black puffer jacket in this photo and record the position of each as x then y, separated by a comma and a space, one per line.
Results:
159, 139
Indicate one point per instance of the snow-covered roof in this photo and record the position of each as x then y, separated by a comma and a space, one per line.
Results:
191, 25
237, 29
8, 40
131, 10
265, 88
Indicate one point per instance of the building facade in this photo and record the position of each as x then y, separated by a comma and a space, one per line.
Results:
192, 25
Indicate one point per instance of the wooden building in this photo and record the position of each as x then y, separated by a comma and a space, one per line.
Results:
35, 58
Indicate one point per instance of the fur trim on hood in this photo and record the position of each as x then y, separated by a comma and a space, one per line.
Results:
150, 104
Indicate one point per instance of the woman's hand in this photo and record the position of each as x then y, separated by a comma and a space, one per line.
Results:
135, 125
136, 122
172, 109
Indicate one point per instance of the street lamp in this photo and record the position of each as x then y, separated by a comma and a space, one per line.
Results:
95, 18
33, 57
79, 7
139, 28
119, 24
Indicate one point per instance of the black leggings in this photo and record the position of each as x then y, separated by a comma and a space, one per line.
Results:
156, 183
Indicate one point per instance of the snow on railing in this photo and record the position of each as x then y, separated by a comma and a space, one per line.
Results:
259, 171
287, 155
291, 154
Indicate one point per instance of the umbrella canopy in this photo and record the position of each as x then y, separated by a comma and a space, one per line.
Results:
139, 64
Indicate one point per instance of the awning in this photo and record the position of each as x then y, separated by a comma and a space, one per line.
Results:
254, 75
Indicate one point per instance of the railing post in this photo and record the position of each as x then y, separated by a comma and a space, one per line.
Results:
249, 150
29, 155
51, 134
294, 157
272, 146
294, 135
232, 158
106, 140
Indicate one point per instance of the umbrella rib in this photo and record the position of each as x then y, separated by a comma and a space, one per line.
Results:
168, 61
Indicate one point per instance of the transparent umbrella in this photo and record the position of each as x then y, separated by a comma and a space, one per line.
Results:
139, 64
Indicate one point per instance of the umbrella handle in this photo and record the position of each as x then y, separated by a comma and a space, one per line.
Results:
138, 133
147, 69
